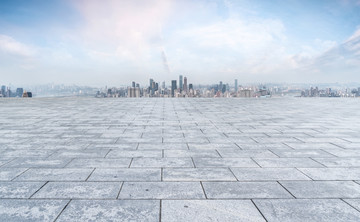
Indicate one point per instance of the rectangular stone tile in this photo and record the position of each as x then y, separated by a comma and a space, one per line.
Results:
236, 190
264, 174
211, 146
19, 189
161, 190
10, 153
198, 174
323, 189
332, 173
190, 153
99, 153
302, 153
287, 162
111, 210
126, 174
79, 190
354, 202
99, 163
229, 153
38, 162
300, 210
162, 162
134, 153
345, 152
306, 146
209, 210
7, 174
224, 162
264, 146
163, 146
339, 162
43, 174
30, 210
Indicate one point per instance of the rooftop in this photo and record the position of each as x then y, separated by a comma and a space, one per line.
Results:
153, 159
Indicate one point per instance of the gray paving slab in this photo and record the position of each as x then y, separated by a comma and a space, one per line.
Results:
299, 210
38, 162
209, 210
79, 190
7, 174
228, 153
191, 153
287, 162
126, 174
268, 174
134, 153
19, 189
99, 163
353, 202
161, 190
244, 190
224, 162
162, 162
339, 162
46, 174
30, 210
198, 174
301, 153
323, 189
332, 173
111, 210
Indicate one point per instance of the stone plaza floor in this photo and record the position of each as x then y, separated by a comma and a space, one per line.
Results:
163, 159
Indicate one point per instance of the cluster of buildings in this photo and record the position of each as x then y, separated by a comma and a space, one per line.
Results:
20, 92
181, 88
328, 92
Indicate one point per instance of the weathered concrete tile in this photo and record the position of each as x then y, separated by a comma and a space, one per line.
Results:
198, 174
161, 190
99, 163
345, 152
38, 162
264, 174
326, 145
209, 210
323, 189
134, 153
229, 153
302, 153
7, 174
224, 162
354, 202
332, 173
126, 174
30, 210
19, 189
300, 210
190, 153
43, 174
339, 162
162, 162
287, 162
79, 190
111, 210
236, 190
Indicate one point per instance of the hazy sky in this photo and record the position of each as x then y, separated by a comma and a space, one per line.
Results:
113, 42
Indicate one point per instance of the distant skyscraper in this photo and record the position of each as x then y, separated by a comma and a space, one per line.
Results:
152, 87
191, 86
185, 88
163, 85
180, 82
19, 92
236, 85
133, 84
220, 86
173, 87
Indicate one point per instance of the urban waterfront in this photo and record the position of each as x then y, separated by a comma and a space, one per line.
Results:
188, 159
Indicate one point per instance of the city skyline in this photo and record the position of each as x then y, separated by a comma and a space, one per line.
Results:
114, 42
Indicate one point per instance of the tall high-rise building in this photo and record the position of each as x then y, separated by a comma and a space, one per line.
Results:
220, 86
236, 85
191, 86
180, 82
173, 87
185, 88
19, 92
133, 84
163, 85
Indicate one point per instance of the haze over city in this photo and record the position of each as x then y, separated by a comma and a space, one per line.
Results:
101, 43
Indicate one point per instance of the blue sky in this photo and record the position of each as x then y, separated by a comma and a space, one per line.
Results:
114, 42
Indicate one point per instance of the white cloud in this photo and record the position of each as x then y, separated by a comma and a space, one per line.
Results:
10, 46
